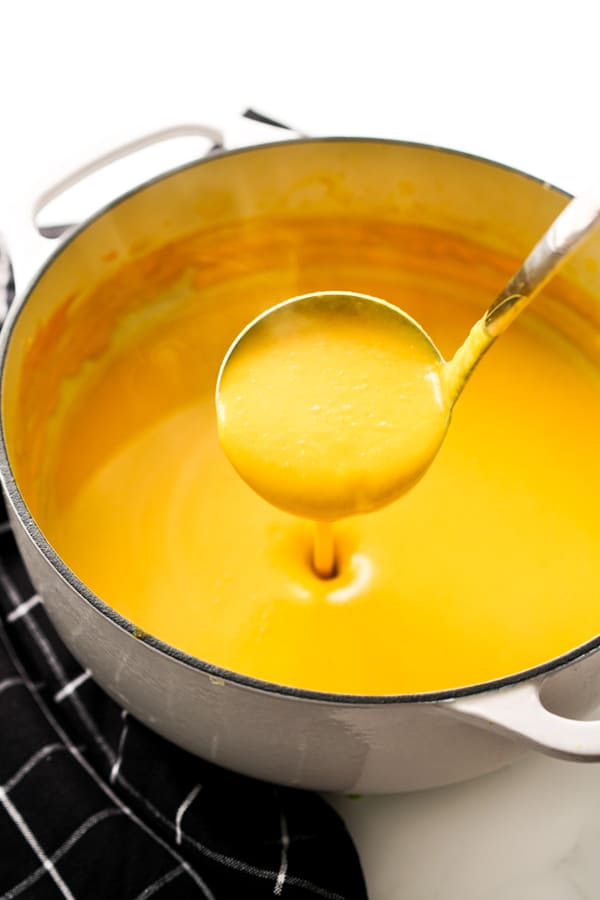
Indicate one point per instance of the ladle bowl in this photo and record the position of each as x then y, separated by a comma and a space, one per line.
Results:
331, 404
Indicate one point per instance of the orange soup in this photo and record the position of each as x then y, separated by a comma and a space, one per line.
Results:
488, 566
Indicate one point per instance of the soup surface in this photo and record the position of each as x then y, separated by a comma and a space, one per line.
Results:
488, 566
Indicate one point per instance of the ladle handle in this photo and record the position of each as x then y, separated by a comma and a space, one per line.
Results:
577, 220
574, 223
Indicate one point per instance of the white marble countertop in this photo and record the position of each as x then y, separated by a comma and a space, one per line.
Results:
517, 82
528, 832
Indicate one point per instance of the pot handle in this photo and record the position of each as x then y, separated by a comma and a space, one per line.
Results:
518, 712
147, 140
28, 248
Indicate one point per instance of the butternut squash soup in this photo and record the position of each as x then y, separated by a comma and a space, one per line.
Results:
331, 405
488, 566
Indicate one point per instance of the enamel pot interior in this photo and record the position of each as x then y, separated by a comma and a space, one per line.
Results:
335, 209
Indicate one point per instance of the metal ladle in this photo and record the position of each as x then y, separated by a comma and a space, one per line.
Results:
572, 225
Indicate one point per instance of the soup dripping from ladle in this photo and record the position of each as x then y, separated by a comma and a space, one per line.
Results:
335, 404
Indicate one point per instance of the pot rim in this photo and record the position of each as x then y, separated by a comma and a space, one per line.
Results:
218, 673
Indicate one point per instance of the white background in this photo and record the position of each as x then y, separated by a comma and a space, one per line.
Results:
515, 81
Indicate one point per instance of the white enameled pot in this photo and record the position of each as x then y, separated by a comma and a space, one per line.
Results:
302, 738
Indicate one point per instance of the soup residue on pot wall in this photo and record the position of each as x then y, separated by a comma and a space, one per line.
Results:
489, 566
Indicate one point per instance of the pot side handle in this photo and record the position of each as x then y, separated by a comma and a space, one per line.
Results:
106, 159
518, 712
29, 248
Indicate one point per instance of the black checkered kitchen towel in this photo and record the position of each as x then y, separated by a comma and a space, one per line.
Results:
94, 805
